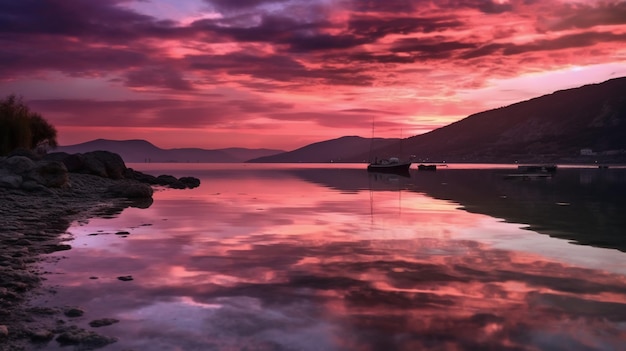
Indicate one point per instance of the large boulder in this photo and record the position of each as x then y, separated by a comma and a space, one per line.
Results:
24, 152
130, 190
104, 164
9, 180
18, 164
52, 174
190, 182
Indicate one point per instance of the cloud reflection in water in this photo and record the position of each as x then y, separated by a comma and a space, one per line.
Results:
264, 267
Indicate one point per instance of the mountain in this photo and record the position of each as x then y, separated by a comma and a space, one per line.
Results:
143, 151
552, 128
344, 149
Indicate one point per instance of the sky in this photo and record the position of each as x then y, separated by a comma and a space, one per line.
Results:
282, 74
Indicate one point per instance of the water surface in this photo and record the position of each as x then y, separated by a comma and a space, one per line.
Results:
298, 257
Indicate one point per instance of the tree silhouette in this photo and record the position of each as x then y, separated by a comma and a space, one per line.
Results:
22, 128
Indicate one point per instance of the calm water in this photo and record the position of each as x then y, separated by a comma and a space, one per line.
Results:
271, 257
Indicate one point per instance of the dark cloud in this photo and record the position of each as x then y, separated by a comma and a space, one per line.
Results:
100, 113
430, 48
96, 20
158, 77
378, 27
577, 40
157, 113
587, 16
241, 4
278, 68
65, 56
385, 6
485, 6
409, 6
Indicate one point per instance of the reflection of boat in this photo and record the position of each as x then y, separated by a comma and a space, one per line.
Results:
423, 167
537, 168
388, 176
390, 165
528, 176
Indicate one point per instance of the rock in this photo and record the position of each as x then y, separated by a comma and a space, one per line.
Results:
55, 156
56, 247
18, 164
190, 182
165, 179
31, 185
142, 177
178, 185
74, 163
103, 322
52, 174
125, 278
20, 151
130, 190
11, 181
41, 335
87, 339
105, 164
4, 331
74, 312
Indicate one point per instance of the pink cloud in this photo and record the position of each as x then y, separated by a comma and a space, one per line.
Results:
296, 61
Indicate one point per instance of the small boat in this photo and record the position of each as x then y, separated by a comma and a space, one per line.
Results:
423, 167
390, 165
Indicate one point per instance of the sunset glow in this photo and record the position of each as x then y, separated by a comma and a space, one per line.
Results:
287, 73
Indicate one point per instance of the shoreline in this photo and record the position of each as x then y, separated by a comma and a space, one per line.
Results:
32, 224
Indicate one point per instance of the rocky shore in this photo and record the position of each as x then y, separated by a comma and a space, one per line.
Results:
39, 200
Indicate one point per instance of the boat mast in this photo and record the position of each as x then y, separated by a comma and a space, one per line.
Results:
371, 141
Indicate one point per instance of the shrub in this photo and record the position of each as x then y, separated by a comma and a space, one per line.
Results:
22, 128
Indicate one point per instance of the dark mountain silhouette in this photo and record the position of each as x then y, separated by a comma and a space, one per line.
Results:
554, 127
143, 151
550, 128
344, 149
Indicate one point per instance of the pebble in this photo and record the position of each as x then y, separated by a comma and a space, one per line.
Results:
103, 322
4, 331
74, 312
41, 335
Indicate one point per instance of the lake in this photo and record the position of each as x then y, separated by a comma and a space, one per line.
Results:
330, 257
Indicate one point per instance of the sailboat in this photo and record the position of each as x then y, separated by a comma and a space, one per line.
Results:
387, 165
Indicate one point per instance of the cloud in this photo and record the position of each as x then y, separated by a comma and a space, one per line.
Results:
581, 15
241, 4
157, 77
387, 55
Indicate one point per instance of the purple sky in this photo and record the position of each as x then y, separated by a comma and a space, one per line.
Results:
286, 73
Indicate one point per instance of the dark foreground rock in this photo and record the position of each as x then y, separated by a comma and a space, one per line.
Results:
39, 199
25, 171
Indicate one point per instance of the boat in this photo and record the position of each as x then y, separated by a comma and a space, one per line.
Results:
390, 165
423, 167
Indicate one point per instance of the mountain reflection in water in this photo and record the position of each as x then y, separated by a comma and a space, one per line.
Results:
339, 259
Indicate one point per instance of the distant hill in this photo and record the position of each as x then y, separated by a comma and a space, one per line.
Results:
554, 128
343, 149
143, 151
550, 128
